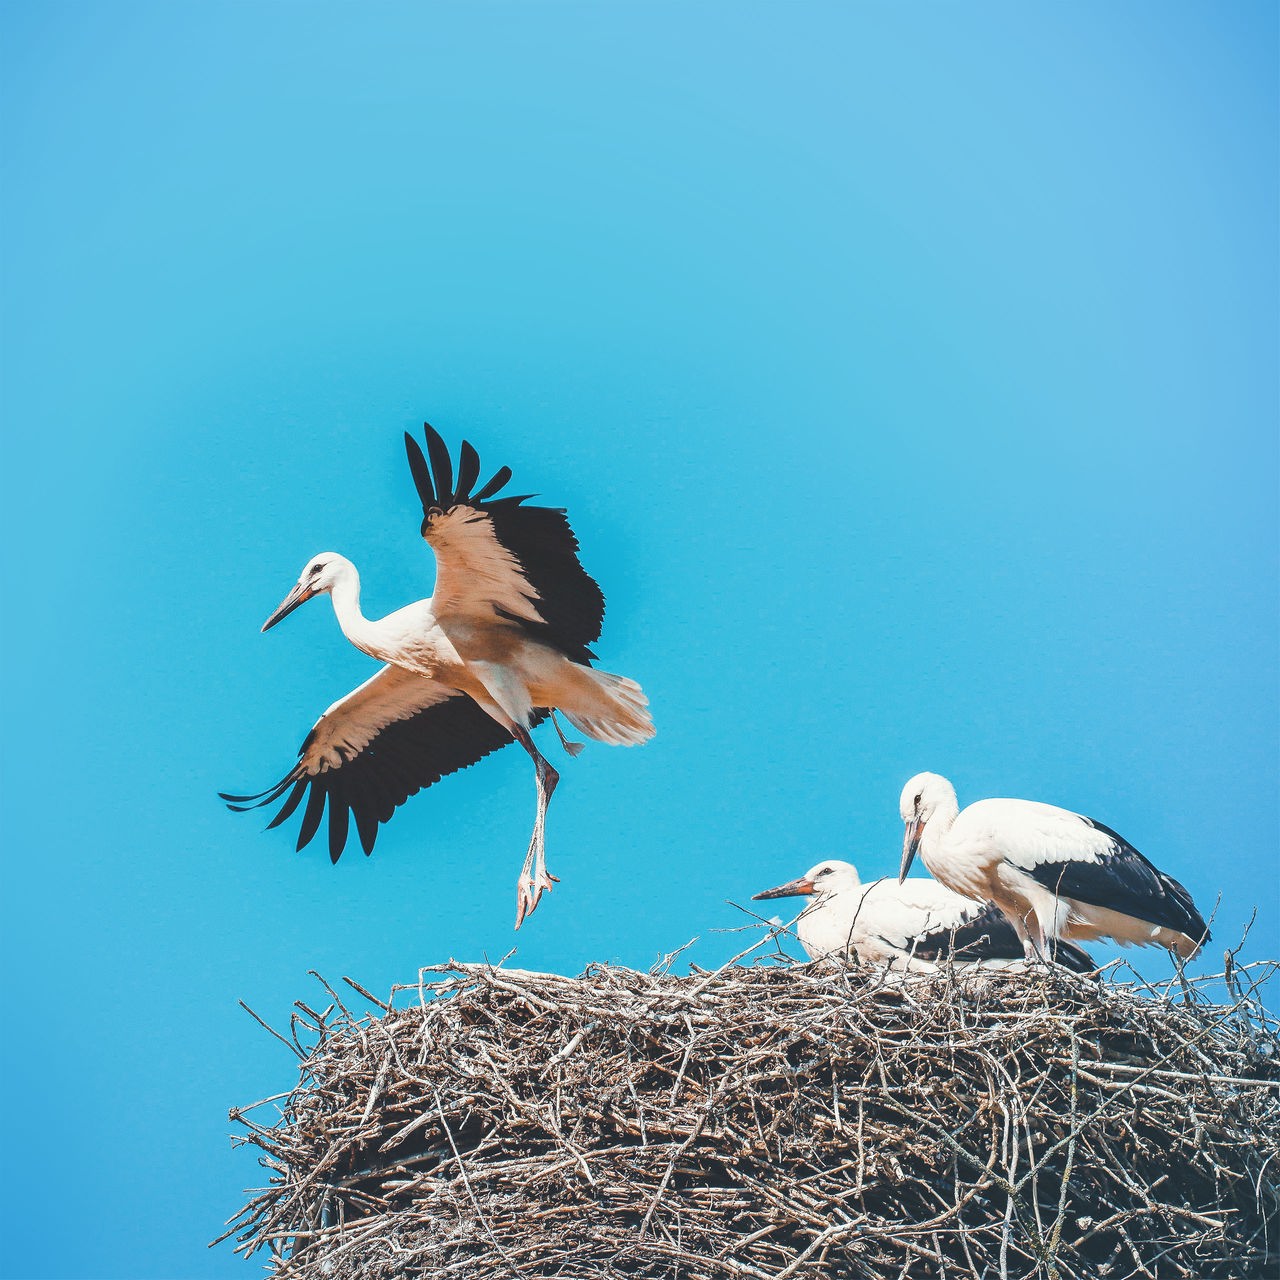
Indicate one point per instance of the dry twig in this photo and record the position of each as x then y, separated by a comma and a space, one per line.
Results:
766, 1121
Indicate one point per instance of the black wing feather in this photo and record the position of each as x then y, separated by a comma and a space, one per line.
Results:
540, 538
1077, 959
403, 758
468, 471
311, 816
991, 936
441, 464
497, 481
289, 805
366, 816
1123, 880
987, 936
339, 815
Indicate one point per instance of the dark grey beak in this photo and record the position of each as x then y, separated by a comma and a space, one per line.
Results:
910, 844
793, 889
299, 595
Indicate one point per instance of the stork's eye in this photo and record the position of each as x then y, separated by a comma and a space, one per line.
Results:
918, 800
315, 568
826, 871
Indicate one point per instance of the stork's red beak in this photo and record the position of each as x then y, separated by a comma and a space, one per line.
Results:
299, 595
910, 844
793, 889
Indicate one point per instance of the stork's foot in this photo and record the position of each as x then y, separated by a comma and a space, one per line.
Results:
529, 891
572, 747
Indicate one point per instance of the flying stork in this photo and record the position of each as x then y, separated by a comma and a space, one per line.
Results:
909, 925
1055, 874
502, 643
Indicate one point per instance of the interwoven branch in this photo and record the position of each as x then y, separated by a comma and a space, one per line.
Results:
767, 1122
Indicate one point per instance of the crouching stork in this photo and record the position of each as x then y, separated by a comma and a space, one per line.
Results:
910, 926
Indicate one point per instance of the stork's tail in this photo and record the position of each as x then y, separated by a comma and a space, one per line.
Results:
611, 709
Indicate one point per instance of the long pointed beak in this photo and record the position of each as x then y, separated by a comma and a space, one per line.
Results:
299, 595
910, 844
793, 889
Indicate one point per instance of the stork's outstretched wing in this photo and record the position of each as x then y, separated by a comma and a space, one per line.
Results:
396, 734
497, 558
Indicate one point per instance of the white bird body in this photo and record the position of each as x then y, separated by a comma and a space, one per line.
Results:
1054, 873
493, 662
907, 926
500, 644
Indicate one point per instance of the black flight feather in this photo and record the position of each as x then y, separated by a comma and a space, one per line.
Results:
366, 826
441, 464
421, 472
1123, 880
338, 820
1069, 956
568, 599
468, 471
991, 936
311, 815
987, 936
295, 796
403, 758
496, 482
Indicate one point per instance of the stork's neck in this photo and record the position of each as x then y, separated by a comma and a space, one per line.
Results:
345, 595
941, 820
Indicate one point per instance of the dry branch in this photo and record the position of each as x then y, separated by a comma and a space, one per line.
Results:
776, 1122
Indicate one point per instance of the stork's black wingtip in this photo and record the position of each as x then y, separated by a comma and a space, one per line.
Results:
420, 471
468, 471
441, 463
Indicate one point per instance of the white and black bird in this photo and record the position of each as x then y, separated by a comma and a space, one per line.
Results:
1057, 875
503, 642
911, 925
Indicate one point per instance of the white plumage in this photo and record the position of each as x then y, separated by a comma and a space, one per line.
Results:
909, 925
501, 644
1055, 874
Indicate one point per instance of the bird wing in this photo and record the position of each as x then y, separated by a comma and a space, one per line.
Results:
497, 557
927, 920
1080, 858
1121, 879
396, 734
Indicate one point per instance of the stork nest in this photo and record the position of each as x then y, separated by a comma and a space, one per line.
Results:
773, 1122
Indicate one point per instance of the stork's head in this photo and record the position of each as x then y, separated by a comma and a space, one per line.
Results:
832, 876
922, 797
321, 574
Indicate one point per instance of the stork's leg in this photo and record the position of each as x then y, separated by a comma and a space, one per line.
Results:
1026, 926
534, 876
572, 747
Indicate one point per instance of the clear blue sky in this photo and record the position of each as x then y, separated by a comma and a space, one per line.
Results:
909, 373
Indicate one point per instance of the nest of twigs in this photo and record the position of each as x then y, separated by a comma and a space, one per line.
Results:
772, 1122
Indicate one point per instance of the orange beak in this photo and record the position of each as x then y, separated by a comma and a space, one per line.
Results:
299, 595
793, 889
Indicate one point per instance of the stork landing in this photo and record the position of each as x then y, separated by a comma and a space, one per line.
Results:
502, 643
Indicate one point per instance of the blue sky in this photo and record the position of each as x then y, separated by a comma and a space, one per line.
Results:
909, 374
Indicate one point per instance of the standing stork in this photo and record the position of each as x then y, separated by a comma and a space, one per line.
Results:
910, 925
502, 643
1054, 873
